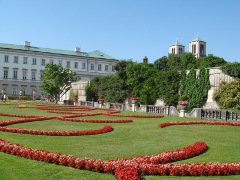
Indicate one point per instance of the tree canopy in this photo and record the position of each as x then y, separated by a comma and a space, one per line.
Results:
57, 80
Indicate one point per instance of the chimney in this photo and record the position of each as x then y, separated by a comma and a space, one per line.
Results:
27, 44
77, 49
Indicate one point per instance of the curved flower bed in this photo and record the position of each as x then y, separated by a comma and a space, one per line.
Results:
93, 121
131, 168
105, 129
198, 122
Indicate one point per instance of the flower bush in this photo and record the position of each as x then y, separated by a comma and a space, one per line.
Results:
183, 102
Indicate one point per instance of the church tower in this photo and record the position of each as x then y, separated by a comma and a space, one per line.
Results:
176, 48
197, 47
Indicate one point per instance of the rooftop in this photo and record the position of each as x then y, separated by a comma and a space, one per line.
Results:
94, 54
177, 43
197, 39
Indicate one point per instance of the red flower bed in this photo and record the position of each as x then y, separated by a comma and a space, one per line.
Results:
198, 122
93, 121
131, 168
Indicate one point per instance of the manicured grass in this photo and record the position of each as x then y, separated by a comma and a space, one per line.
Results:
143, 136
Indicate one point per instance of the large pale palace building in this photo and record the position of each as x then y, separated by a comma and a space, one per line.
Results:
21, 66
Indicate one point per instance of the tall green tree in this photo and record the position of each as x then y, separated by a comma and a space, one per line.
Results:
188, 61
111, 88
141, 80
168, 86
210, 61
174, 62
195, 87
161, 63
120, 68
57, 80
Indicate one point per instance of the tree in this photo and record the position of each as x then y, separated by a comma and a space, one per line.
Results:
194, 87
228, 95
120, 67
168, 86
141, 80
174, 62
210, 61
111, 88
188, 61
57, 80
161, 63
232, 69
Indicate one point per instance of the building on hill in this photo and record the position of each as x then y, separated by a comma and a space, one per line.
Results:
22, 65
197, 47
176, 48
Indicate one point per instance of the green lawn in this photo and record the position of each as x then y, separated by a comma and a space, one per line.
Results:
143, 136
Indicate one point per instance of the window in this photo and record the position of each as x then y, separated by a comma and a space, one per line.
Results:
76, 64
15, 73
83, 65
33, 75
60, 63
68, 64
6, 57
51, 61
14, 91
5, 74
34, 61
43, 62
24, 74
202, 48
106, 67
173, 50
92, 67
99, 67
25, 60
23, 92
41, 74
194, 48
15, 60
113, 68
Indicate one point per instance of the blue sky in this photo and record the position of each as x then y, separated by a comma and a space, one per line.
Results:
123, 29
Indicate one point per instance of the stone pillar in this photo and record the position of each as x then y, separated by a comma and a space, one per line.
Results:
134, 105
182, 113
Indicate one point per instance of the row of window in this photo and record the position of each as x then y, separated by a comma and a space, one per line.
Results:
201, 48
15, 74
15, 91
43, 63
180, 50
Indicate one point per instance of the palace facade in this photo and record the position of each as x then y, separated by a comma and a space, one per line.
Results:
22, 66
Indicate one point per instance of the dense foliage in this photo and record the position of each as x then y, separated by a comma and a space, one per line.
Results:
141, 78
56, 80
232, 69
195, 87
228, 95
111, 88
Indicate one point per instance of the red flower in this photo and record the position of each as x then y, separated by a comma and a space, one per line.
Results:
134, 98
183, 102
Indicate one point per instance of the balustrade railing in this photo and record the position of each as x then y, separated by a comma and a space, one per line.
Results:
226, 115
